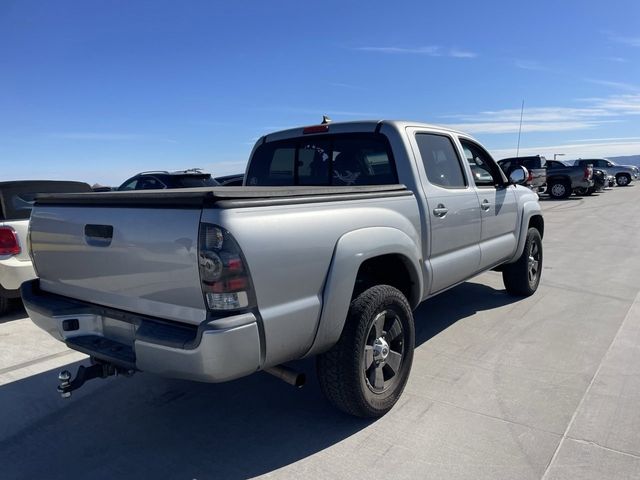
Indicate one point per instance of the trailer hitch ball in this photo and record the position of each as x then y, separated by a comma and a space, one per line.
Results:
64, 377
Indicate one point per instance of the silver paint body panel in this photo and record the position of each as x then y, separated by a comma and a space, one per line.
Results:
303, 257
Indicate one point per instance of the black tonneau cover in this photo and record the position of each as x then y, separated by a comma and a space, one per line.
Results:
16, 197
225, 197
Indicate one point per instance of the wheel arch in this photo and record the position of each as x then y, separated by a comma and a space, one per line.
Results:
384, 254
531, 217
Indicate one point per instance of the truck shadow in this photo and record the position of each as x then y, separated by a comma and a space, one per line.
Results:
149, 427
16, 311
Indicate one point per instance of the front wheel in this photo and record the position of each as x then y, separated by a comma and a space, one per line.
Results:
623, 180
365, 373
559, 190
522, 277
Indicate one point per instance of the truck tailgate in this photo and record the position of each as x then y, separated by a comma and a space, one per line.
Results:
139, 259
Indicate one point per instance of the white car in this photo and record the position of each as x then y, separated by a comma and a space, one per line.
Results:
16, 200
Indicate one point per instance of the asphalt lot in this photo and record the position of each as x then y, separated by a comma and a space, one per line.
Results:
546, 387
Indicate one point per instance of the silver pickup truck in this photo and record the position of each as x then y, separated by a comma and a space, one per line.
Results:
339, 233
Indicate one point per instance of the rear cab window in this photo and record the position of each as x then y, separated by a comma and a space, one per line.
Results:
342, 159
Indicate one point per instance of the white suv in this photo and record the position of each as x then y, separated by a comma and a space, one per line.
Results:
16, 200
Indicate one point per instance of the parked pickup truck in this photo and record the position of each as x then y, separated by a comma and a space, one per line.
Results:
340, 233
537, 179
562, 180
16, 200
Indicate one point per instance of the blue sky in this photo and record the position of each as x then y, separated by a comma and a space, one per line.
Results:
98, 90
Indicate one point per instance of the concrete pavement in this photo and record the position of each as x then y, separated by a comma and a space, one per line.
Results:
545, 387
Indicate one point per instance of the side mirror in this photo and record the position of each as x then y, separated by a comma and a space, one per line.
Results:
518, 176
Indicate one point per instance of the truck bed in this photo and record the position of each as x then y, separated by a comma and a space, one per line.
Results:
224, 196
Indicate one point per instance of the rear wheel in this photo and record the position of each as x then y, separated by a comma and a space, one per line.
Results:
559, 189
522, 277
623, 179
4, 305
365, 373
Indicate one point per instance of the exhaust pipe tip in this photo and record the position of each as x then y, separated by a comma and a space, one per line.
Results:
287, 375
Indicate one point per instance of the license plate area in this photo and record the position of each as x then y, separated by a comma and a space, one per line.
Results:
119, 331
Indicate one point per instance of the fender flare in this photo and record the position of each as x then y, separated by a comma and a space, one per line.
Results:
529, 209
351, 250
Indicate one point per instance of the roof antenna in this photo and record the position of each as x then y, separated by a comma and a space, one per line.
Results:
520, 129
326, 120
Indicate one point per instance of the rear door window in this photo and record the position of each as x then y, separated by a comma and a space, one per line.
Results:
340, 159
441, 162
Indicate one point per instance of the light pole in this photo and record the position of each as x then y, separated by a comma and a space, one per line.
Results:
558, 155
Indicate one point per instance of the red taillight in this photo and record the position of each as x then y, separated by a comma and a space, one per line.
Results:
588, 172
315, 129
225, 280
9, 244
530, 177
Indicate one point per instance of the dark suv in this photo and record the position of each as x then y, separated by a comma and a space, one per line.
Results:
158, 180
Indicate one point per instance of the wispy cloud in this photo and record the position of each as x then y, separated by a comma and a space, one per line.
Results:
429, 50
617, 59
575, 150
618, 104
618, 85
630, 41
105, 137
596, 112
329, 111
347, 86
513, 127
531, 65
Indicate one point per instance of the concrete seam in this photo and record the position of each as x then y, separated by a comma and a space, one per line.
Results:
586, 392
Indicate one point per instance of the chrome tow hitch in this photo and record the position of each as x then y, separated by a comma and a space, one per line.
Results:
96, 370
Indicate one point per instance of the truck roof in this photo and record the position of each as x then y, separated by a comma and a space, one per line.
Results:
356, 126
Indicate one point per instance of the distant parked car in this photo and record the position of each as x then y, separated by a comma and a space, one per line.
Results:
159, 180
624, 174
16, 201
537, 179
231, 180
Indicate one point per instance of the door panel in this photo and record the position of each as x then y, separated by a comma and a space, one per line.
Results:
499, 212
454, 253
498, 205
451, 251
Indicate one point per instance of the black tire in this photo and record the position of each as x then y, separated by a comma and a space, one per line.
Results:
5, 303
623, 179
585, 192
559, 189
522, 277
381, 312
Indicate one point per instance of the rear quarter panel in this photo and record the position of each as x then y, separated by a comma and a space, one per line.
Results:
289, 251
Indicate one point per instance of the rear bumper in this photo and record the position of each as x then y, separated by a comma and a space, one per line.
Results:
13, 273
216, 351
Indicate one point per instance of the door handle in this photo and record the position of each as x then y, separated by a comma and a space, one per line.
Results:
485, 205
440, 210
